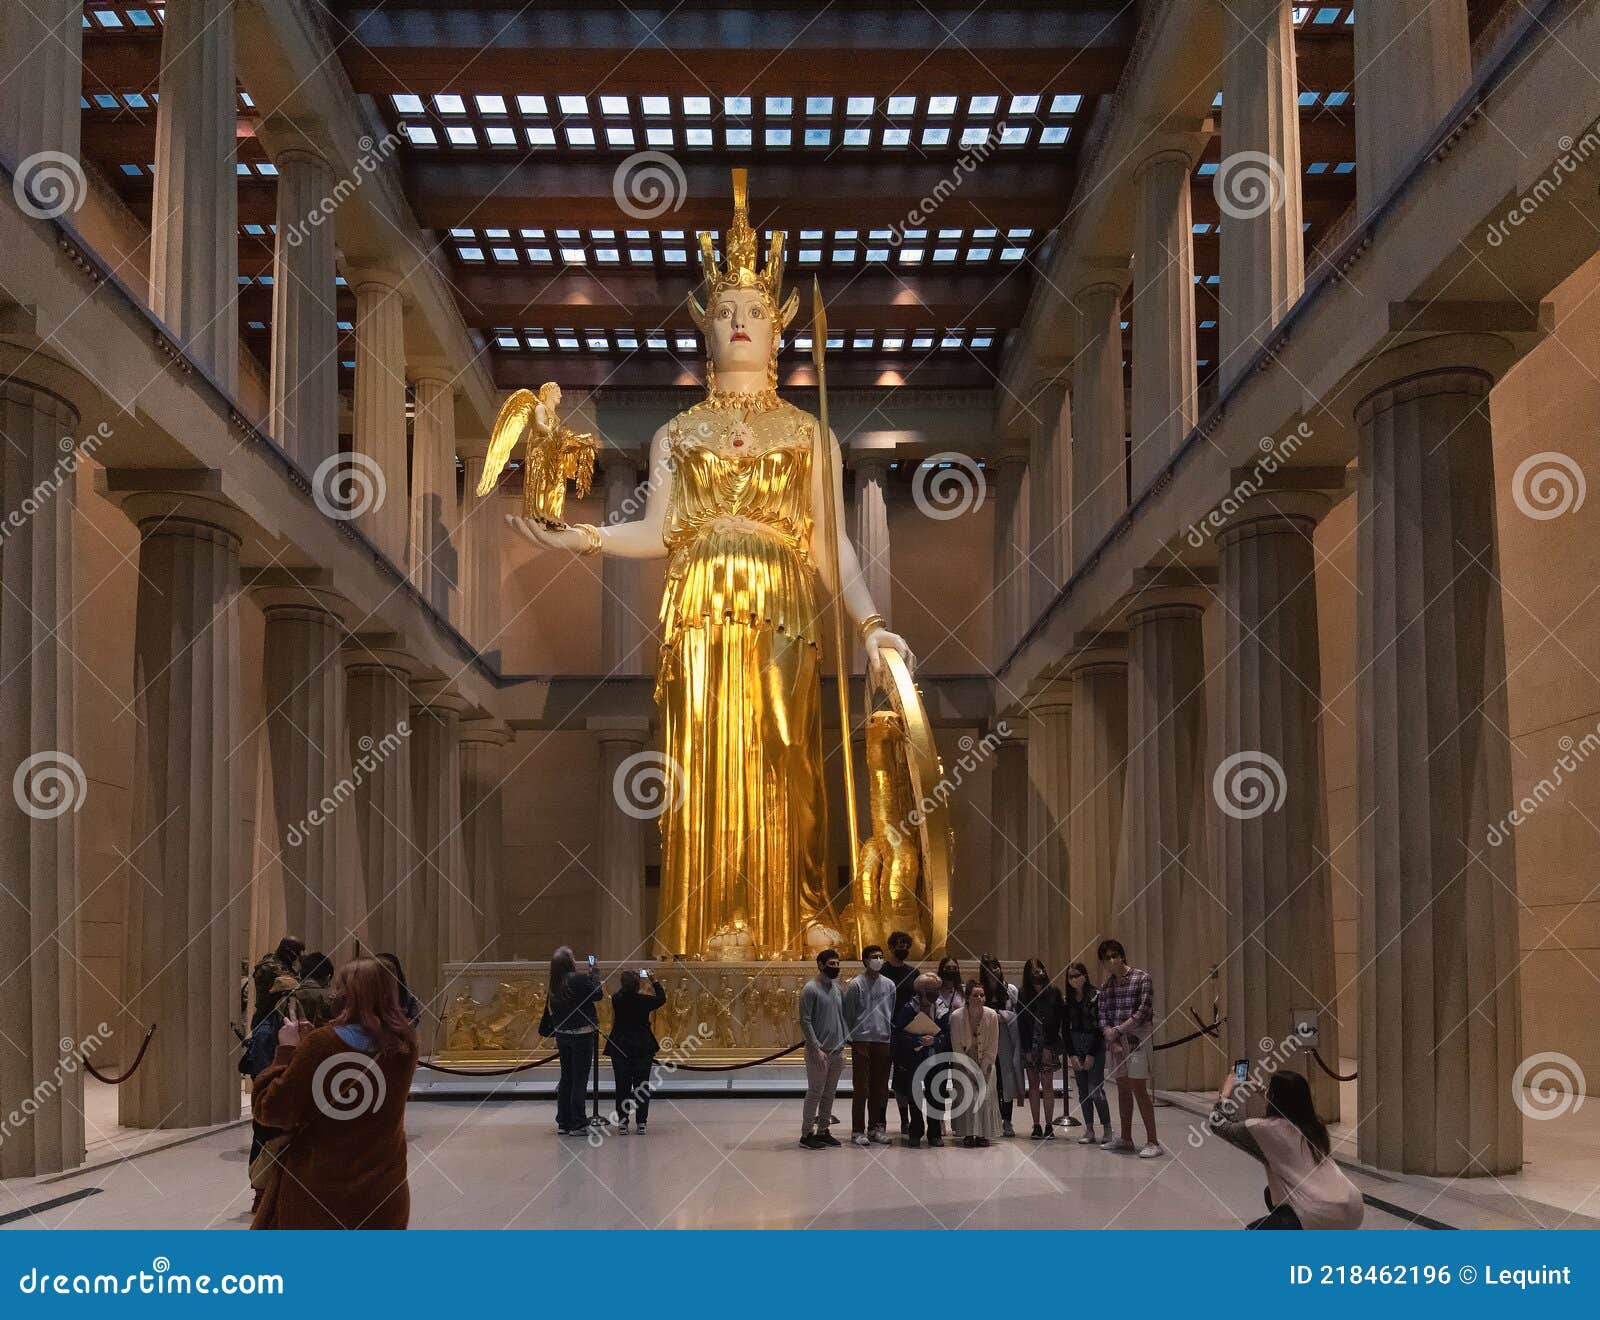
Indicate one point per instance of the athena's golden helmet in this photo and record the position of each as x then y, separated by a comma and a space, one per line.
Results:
739, 265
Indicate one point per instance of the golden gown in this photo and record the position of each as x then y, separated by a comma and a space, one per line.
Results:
738, 688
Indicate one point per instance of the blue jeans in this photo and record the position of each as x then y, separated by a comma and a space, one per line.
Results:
576, 1052
1092, 1091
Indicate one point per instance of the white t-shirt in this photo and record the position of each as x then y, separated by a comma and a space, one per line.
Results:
1316, 1190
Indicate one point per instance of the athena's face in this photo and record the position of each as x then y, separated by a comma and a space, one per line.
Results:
740, 331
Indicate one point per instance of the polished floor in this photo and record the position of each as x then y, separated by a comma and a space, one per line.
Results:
705, 1164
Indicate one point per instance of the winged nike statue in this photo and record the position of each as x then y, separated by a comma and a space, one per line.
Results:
555, 454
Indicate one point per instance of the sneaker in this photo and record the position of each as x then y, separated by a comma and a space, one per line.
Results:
969, 1142
914, 1142
1006, 1130
640, 1129
981, 1141
860, 1139
1088, 1138
828, 1139
936, 1141
878, 1137
1050, 1133
1117, 1146
1151, 1150
622, 1128
1037, 1133
811, 1141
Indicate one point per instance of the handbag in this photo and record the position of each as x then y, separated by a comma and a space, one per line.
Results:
267, 1167
547, 1026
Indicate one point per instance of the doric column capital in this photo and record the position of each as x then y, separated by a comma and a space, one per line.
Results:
158, 496
1168, 154
634, 731
379, 651
1049, 696
436, 696
489, 732
870, 464
1175, 590
1423, 364
373, 281
1290, 498
433, 371
285, 589
1098, 652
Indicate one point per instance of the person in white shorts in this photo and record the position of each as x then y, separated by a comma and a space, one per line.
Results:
1127, 1017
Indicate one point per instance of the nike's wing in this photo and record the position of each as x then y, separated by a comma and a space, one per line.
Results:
515, 417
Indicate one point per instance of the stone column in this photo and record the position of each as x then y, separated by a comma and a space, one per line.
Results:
478, 547
482, 815
302, 685
1413, 61
38, 757
1045, 906
1168, 910
305, 342
620, 883
1012, 571
1011, 871
184, 878
194, 228
1099, 673
1099, 430
1258, 182
1269, 787
431, 561
872, 540
378, 731
380, 406
622, 626
1049, 495
438, 925
1440, 1035
1165, 385
44, 78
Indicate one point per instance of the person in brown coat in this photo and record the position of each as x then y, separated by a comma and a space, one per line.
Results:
340, 1092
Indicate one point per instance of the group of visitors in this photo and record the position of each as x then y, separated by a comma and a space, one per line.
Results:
1009, 1043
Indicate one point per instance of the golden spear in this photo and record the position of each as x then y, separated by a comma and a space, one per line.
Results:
830, 531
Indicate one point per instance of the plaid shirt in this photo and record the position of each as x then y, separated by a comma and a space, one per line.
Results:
1128, 1002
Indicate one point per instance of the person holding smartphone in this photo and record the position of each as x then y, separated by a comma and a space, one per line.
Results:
632, 1045
573, 1022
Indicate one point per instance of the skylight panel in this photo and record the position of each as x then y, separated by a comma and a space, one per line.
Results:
500, 135
1065, 103
697, 137
983, 105
780, 105
580, 135
858, 105
619, 135
818, 137
1024, 105
613, 105
490, 104
541, 135
656, 105
532, 105
736, 105
778, 137
974, 136
902, 105
698, 106
1015, 135
1053, 135
462, 135
896, 137
858, 137
448, 103
819, 105
573, 105
738, 137
935, 137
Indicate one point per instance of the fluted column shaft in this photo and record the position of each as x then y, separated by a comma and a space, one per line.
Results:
1046, 882
1099, 760
1269, 786
184, 882
479, 552
1165, 385
1099, 426
380, 407
1440, 1032
1049, 510
619, 894
1262, 248
1167, 909
872, 540
1010, 867
482, 819
194, 239
44, 77
622, 626
432, 561
305, 367
439, 923
38, 755
378, 741
303, 691
1012, 572
1413, 61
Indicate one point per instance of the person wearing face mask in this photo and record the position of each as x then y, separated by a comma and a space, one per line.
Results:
911, 1050
822, 1026
869, 1006
950, 987
904, 976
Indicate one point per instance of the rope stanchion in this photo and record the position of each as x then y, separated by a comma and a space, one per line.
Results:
1206, 1029
485, 1072
132, 1067
1322, 1063
734, 1067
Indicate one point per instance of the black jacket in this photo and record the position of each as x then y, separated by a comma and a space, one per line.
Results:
573, 1008
1080, 1025
1039, 1019
907, 1049
631, 1037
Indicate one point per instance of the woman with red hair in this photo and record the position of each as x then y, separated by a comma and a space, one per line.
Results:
340, 1093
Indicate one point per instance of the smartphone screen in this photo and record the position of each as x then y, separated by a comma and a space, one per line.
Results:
591, 960
1241, 1070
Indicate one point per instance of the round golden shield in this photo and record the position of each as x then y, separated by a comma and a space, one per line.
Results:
928, 789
